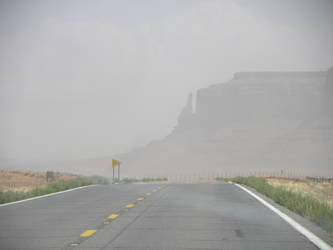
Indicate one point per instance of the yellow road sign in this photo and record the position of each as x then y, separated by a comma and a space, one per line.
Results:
115, 163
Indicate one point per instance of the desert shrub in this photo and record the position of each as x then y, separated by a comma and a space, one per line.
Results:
61, 185
133, 180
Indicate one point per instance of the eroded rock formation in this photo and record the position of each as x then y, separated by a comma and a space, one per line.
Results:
258, 121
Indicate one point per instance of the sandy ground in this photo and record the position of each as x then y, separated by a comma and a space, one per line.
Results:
322, 191
19, 180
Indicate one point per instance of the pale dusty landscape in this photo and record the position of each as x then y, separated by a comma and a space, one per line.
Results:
23, 181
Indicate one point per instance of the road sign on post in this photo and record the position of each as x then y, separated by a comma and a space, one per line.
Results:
114, 164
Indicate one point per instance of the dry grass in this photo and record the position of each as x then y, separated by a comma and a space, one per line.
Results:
24, 181
322, 191
51, 187
299, 201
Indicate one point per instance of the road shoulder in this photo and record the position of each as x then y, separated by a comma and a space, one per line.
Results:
311, 226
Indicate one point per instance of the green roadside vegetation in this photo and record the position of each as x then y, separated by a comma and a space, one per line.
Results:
133, 180
319, 212
61, 185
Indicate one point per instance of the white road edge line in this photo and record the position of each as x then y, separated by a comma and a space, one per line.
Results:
312, 237
42, 196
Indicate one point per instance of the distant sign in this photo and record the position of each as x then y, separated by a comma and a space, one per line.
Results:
115, 163
50, 176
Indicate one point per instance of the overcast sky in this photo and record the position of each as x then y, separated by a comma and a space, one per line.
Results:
82, 79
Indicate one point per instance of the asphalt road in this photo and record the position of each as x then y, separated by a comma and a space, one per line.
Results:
177, 216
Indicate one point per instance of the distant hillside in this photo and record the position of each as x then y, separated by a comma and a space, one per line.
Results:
259, 121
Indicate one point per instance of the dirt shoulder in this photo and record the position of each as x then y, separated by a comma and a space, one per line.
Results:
23, 181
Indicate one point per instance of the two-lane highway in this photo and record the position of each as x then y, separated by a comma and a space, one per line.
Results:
147, 216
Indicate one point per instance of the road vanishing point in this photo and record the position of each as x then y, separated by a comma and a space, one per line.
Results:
147, 216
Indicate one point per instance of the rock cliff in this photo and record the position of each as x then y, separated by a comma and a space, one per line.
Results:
258, 121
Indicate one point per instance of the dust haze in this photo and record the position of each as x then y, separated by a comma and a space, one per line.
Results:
82, 82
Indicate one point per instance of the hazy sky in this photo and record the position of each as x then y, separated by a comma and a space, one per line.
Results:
81, 79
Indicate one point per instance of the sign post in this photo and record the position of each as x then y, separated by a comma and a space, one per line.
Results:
114, 164
119, 172
112, 174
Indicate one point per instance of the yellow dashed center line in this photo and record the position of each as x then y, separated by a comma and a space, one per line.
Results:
113, 216
88, 233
